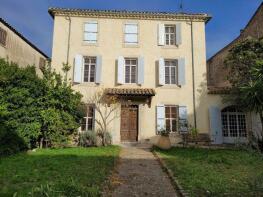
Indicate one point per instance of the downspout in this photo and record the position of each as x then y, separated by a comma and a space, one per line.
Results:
69, 34
193, 73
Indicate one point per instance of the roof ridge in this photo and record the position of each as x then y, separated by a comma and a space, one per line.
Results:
124, 10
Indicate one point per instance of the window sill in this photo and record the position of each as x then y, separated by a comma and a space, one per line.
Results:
167, 86
129, 85
84, 43
170, 47
87, 84
130, 45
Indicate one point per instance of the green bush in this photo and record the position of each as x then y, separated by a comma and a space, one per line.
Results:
87, 138
10, 142
40, 111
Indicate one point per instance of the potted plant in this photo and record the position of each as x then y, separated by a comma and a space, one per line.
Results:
164, 140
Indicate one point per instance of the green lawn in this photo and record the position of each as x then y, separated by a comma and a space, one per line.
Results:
204, 172
68, 172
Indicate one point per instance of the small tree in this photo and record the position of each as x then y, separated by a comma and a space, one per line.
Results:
107, 109
37, 109
245, 65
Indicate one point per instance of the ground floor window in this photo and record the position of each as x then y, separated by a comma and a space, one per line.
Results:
87, 122
171, 118
233, 122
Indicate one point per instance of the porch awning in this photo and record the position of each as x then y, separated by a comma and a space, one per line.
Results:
130, 91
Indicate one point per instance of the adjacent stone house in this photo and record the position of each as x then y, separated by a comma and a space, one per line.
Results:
231, 124
16, 48
217, 74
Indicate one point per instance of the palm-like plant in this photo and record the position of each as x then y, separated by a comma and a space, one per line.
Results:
245, 65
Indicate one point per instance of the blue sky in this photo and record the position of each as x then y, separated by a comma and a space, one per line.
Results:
30, 17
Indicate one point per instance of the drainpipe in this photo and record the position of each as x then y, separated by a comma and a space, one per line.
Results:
69, 32
193, 73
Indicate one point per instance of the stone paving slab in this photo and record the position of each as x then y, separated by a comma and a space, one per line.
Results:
139, 174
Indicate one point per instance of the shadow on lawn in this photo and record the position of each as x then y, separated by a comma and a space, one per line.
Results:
57, 172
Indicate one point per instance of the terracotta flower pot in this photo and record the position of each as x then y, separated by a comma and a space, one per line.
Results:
164, 142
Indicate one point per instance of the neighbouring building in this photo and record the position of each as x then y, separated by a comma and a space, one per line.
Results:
232, 123
16, 48
154, 60
217, 74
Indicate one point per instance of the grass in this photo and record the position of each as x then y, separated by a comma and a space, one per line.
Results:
59, 172
204, 172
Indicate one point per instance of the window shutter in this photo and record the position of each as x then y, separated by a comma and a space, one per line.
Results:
161, 72
160, 118
215, 125
98, 69
161, 34
183, 123
178, 34
78, 66
181, 71
140, 73
121, 63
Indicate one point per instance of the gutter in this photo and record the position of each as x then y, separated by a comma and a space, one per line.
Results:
69, 35
193, 73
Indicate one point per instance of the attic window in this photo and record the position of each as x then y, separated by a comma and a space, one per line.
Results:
3, 35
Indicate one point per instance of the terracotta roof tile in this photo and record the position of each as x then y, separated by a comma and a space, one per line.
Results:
130, 91
126, 13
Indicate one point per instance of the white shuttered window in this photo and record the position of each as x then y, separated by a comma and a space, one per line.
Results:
131, 33
91, 32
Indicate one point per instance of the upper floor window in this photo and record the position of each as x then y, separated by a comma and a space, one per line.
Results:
170, 34
171, 71
3, 35
130, 70
88, 121
131, 33
89, 69
91, 32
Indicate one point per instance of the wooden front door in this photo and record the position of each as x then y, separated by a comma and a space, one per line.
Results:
129, 123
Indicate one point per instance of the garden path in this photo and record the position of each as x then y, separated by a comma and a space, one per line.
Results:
140, 174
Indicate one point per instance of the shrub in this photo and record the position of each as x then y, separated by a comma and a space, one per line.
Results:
40, 111
105, 137
10, 142
87, 138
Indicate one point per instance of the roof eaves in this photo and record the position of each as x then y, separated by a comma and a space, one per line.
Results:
125, 13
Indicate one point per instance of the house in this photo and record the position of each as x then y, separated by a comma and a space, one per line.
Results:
154, 60
232, 123
16, 48
217, 74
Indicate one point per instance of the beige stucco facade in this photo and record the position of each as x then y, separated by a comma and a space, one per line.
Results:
111, 45
18, 49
